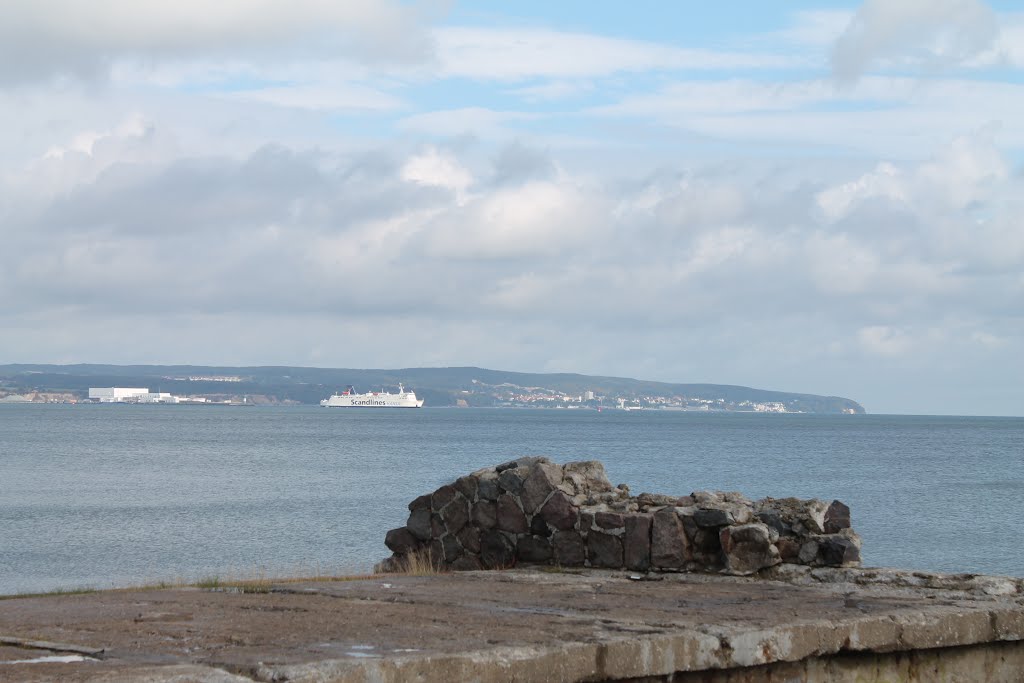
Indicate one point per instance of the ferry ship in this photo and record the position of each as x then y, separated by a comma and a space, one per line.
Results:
350, 399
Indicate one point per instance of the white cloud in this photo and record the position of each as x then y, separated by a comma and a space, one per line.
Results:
884, 341
520, 53
439, 169
468, 121
816, 28
965, 171
879, 116
885, 181
923, 33
535, 219
43, 38
322, 97
554, 90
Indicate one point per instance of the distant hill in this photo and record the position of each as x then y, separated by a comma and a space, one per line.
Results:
439, 386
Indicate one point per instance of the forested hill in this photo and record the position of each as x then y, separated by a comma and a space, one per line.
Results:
439, 386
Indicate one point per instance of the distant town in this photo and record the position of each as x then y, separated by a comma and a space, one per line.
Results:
506, 395
469, 387
515, 396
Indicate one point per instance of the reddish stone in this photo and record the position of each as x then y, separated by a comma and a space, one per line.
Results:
609, 520
789, 550
837, 517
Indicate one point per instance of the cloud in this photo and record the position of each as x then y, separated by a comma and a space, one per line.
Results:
960, 174
887, 117
479, 121
928, 34
40, 39
322, 97
440, 169
515, 54
884, 340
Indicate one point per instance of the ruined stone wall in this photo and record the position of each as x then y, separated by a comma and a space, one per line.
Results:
534, 511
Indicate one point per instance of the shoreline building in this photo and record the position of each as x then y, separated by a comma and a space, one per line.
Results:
116, 394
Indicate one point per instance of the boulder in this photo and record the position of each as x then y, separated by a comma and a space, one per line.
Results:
559, 512
469, 537
669, 545
484, 514
487, 486
840, 549
570, 551
467, 486
419, 524
401, 541
455, 515
588, 476
837, 517
442, 497
637, 542
609, 520
420, 503
452, 548
747, 548
538, 485
534, 549
511, 517
496, 552
512, 480
604, 550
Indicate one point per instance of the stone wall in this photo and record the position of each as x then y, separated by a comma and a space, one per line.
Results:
534, 511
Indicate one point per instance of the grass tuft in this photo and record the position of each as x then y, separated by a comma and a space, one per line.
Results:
416, 563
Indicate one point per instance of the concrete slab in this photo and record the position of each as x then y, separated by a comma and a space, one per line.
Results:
519, 625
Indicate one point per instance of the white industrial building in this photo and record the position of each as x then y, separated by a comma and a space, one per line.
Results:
137, 395
116, 394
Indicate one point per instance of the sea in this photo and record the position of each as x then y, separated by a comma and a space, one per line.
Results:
101, 496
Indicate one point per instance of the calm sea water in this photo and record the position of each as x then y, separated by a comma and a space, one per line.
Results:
116, 495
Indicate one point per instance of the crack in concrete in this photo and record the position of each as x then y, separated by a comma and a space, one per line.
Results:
29, 644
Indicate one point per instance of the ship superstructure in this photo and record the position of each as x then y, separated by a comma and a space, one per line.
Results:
382, 399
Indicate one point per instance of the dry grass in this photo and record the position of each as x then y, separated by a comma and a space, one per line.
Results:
416, 563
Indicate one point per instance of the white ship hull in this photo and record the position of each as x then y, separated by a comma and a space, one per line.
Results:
350, 399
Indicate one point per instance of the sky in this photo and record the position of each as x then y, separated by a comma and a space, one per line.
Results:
822, 197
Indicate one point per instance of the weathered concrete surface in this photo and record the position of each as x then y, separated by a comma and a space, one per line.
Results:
798, 624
